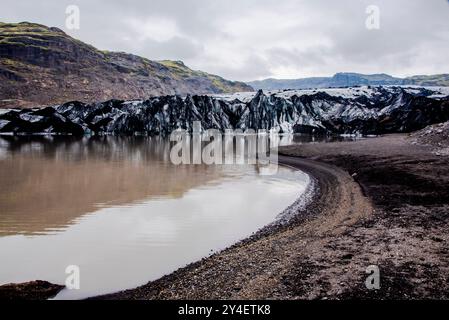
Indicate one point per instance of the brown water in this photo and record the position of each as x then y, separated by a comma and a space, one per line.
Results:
118, 209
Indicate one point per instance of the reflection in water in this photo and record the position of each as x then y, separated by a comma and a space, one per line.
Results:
49, 182
117, 207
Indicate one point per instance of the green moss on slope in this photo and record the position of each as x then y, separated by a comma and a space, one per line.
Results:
57, 67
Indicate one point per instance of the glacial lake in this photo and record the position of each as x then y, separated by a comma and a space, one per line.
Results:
117, 208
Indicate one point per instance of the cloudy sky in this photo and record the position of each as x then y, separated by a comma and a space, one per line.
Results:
256, 39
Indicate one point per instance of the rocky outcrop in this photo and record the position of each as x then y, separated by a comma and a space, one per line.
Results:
33, 290
371, 111
45, 66
436, 135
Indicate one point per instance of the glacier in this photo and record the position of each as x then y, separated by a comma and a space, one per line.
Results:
355, 110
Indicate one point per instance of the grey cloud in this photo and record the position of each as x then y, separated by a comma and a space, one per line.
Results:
253, 67
177, 48
323, 37
287, 57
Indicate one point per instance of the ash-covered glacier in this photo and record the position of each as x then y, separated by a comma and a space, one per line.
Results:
357, 110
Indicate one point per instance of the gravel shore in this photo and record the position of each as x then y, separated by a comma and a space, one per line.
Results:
406, 236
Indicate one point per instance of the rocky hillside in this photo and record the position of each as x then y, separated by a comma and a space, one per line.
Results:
44, 66
347, 79
363, 110
435, 135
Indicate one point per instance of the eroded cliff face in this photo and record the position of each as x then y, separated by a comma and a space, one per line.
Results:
365, 110
45, 66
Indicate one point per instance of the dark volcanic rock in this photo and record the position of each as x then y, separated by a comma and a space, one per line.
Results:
34, 290
374, 111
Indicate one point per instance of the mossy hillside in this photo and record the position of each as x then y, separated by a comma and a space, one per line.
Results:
218, 84
41, 37
15, 65
178, 69
43, 65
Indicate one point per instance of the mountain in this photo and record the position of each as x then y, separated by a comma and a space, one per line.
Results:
434, 80
345, 79
365, 110
43, 66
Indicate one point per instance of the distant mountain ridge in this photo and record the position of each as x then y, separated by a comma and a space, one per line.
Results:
44, 66
349, 79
